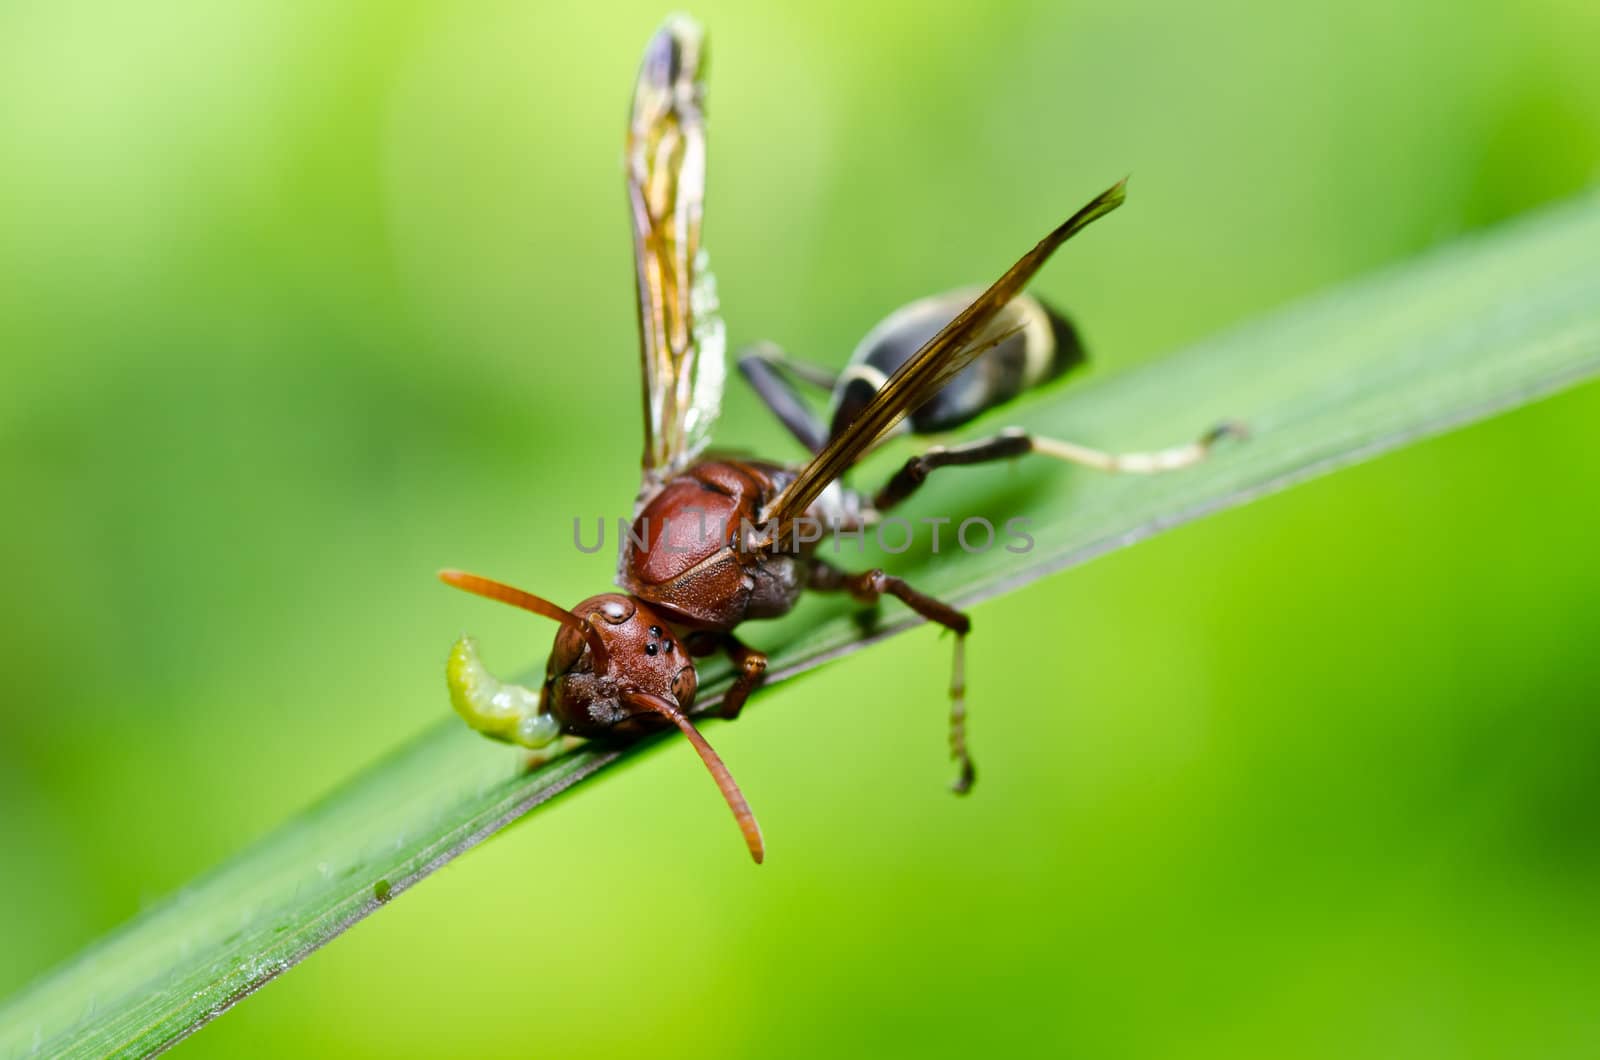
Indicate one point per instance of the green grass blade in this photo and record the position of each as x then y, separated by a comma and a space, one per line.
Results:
1485, 325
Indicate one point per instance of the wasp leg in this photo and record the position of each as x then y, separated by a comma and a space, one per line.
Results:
769, 373
867, 587
810, 374
1016, 442
748, 666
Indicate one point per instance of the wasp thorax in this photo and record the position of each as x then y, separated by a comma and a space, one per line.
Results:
642, 656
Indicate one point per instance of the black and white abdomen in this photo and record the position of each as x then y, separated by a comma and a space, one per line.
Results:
1044, 346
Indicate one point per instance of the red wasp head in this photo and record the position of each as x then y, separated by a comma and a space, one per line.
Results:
615, 672
608, 673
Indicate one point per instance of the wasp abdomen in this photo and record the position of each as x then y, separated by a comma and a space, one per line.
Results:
1045, 346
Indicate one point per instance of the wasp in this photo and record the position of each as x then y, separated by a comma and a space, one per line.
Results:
715, 543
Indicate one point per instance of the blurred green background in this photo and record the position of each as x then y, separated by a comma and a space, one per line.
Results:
299, 302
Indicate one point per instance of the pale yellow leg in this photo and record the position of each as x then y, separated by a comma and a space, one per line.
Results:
1179, 456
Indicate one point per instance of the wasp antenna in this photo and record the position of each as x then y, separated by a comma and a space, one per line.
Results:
508, 594
719, 772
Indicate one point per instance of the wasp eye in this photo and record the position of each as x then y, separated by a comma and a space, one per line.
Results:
655, 631
684, 685
650, 649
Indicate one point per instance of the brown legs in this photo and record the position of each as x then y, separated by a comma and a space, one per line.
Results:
748, 666
868, 587
1017, 442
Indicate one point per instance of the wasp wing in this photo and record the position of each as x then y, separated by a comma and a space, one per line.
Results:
680, 335
977, 328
